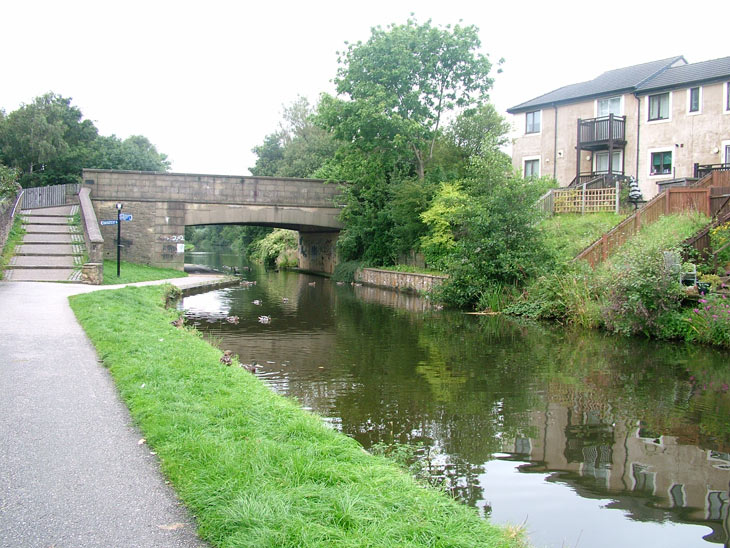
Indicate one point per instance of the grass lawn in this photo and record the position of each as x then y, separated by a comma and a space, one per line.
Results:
569, 233
253, 467
131, 273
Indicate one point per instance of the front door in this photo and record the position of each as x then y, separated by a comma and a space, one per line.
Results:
600, 162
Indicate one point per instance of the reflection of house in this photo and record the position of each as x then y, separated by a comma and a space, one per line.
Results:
616, 457
653, 121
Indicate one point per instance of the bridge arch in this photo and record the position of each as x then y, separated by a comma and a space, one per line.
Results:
162, 204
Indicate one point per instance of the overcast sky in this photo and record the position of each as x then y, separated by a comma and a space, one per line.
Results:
205, 81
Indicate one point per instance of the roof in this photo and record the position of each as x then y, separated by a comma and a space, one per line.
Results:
623, 79
705, 71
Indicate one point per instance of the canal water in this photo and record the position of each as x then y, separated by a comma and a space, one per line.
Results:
589, 440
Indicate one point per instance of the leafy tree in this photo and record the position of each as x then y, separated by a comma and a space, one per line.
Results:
402, 83
298, 148
49, 142
483, 230
134, 153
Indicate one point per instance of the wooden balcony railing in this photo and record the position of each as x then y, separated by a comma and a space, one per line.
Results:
701, 171
600, 132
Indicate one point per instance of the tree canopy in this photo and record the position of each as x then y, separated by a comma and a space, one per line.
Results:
49, 142
401, 85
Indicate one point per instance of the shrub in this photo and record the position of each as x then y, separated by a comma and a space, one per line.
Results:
710, 321
345, 272
273, 249
567, 295
8, 184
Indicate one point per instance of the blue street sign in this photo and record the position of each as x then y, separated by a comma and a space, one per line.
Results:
105, 223
125, 216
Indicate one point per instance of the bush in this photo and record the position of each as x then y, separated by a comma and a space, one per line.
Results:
274, 249
8, 182
638, 287
710, 321
567, 295
345, 272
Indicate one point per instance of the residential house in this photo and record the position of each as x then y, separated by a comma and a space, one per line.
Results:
657, 121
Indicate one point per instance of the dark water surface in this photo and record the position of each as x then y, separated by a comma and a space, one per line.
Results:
590, 440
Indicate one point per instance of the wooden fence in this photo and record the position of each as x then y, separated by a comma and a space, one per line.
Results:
579, 200
49, 196
672, 200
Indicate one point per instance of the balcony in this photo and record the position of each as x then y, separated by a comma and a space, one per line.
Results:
602, 133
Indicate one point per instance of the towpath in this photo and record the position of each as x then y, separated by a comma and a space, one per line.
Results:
73, 472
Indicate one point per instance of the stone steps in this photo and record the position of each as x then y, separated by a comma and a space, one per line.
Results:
51, 250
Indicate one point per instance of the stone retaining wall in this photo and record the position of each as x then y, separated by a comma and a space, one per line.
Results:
401, 281
7, 208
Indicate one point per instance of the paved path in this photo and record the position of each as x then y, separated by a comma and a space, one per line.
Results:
72, 474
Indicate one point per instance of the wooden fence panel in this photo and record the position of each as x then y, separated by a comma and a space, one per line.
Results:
578, 200
48, 196
719, 200
688, 199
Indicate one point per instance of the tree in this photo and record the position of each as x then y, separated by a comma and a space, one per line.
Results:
401, 85
298, 148
45, 131
134, 153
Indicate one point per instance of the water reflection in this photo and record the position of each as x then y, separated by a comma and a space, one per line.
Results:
594, 440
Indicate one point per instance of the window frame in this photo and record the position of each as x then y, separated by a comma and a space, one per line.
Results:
527, 159
691, 112
725, 152
663, 150
620, 108
527, 124
669, 108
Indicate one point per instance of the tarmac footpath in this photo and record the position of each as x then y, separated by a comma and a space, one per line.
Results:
73, 473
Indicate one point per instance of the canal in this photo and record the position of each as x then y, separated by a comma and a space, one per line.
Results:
589, 440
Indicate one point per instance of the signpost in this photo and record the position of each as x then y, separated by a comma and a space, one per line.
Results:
119, 237
118, 221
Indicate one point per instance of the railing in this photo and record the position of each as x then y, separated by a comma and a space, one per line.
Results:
598, 180
601, 130
672, 200
704, 170
49, 196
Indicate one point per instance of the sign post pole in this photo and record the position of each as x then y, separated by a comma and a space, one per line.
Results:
119, 237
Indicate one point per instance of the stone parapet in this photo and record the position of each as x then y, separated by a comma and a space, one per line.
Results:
401, 281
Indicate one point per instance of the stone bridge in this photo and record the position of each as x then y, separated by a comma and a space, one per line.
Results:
163, 204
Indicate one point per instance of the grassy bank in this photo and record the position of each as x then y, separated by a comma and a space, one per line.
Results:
254, 468
132, 273
15, 237
634, 292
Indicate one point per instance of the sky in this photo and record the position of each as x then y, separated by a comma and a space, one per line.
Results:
206, 81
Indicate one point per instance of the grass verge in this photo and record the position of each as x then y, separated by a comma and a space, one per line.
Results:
15, 237
132, 273
254, 468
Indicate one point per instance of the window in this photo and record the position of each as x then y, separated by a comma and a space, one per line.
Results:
532, 168
727, 96
659, 107
600, 162
532, 122
610, 105
727, 154
661, 163
695, 99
